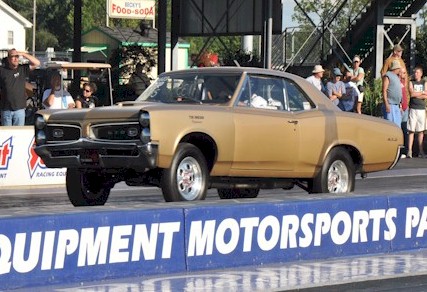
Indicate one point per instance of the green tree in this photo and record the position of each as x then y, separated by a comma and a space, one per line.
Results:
321, 13
51, 17
421, 42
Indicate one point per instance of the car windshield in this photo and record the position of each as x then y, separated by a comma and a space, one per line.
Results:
192, 88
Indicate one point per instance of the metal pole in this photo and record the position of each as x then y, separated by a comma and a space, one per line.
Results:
161, 57
379, 46
34, 27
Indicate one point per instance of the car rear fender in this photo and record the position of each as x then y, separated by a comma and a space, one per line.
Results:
354, 153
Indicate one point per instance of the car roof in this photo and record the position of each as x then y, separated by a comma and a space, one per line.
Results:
78, 66
235, 70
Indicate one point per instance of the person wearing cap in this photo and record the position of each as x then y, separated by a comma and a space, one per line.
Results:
392, 94
358, 77
396, 55
316, 77
349, 100
13, 99
417, 113
335, 88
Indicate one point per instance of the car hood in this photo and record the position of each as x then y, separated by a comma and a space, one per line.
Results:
108, 113
122, 111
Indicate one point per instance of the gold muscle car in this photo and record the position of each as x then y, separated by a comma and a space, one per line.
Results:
235, 129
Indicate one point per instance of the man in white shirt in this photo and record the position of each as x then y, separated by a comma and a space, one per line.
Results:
316, 78
57, 97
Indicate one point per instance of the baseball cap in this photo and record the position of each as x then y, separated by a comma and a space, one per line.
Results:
337, 72
397, 48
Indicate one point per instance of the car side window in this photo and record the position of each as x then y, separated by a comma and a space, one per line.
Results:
296, 100
262, 92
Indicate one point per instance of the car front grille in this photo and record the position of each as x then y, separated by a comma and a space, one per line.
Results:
117, 131
62, 133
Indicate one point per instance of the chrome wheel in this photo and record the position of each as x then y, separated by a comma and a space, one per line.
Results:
189, 178
338, 177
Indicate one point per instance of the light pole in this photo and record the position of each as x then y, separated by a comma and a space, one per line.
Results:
34, 27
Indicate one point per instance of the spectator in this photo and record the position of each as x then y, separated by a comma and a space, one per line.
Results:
56, 97
392, 94
358, 77
12, 83
335, 87
139, 80
88, 99
349, 100
404, 83
417, 112
396, 55
316, 78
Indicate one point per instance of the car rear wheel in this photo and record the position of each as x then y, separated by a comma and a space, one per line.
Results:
237, 193
87, 188
187, 178
337, 175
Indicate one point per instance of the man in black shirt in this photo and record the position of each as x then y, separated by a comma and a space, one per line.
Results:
12, 84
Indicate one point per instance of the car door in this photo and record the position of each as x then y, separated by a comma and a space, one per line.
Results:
266, 134
315, 126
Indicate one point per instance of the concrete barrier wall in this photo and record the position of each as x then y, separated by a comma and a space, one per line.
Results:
95, 245
19, 164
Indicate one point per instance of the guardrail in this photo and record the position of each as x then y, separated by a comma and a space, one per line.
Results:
101, 243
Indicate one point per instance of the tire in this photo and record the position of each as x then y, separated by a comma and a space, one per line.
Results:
187, 178
337, 175
235, 193
87, 188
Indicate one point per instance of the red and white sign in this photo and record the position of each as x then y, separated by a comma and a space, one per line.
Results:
137, 9
20, 165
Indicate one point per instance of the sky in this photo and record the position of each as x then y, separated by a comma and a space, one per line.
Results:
288, 10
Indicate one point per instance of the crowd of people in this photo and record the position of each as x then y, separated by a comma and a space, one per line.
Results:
403, 100
13, 96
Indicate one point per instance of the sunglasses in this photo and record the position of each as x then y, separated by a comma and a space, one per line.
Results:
86, 90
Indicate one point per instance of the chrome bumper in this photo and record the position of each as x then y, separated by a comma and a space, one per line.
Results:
86, 153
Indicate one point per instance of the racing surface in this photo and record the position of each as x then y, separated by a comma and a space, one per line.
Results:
407, 177
393, 272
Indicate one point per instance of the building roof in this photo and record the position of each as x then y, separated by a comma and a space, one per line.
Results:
125, 35
13, 13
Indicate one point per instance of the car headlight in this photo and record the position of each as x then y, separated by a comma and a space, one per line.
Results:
40, 137
40, 122
144, 119
145, 135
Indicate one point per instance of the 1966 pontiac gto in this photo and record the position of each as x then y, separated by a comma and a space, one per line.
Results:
235, 129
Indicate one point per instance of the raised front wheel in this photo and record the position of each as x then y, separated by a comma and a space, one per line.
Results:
87, 188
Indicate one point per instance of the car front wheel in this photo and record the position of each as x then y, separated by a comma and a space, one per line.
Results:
87, 188
187, 178
236, 193
337, 174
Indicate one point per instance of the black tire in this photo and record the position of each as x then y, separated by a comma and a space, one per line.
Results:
87, 188
187, 178
337, 175
236, 193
